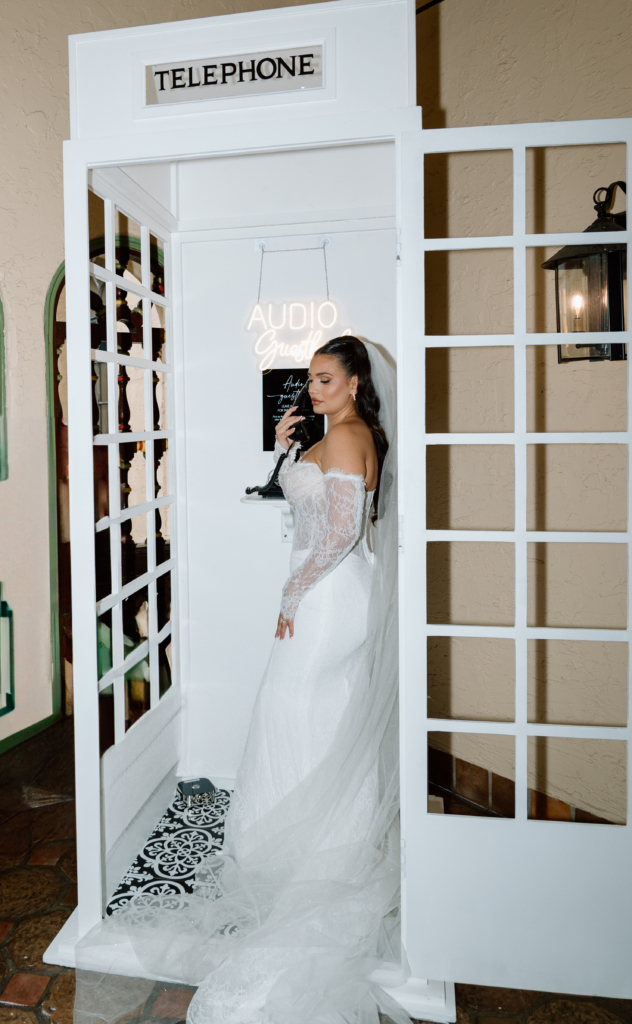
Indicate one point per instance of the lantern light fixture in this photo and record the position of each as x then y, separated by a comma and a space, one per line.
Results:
590, 285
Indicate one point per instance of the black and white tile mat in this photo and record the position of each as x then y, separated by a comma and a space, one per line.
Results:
174, 850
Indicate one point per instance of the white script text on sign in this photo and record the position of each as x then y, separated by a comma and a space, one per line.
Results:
276, 325
244, 74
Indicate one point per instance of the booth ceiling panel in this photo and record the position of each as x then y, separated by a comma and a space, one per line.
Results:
157, 181
302, 181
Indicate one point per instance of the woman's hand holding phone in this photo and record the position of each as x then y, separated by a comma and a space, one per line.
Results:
285, 427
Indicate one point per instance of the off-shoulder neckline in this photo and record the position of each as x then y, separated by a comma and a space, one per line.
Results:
334, 471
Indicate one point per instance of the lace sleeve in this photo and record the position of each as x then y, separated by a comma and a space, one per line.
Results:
279, 451
340, 528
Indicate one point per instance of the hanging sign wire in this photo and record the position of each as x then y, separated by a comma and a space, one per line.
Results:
310, 248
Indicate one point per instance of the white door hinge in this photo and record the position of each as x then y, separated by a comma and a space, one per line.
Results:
398, 246
400, 531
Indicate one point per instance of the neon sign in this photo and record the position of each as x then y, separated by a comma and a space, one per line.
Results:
310, 317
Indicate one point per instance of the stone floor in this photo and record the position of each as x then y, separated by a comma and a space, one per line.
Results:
38, 891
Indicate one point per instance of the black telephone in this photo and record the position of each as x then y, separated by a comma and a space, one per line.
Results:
305, 408
271, 488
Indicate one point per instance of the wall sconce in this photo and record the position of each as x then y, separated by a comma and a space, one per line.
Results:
590, 285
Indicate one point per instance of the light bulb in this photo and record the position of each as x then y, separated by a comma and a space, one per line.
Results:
578, 302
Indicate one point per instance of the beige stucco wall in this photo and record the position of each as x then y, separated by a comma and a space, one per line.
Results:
508, 62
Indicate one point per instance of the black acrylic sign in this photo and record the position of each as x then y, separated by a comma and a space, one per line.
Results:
280, 388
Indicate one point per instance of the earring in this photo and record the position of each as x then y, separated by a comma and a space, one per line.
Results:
353, 395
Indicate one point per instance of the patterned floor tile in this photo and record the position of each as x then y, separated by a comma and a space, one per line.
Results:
179, 843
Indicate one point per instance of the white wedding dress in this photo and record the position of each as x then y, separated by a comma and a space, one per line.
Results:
290, 923
305, 687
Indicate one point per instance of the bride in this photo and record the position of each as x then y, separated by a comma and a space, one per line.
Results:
297, 920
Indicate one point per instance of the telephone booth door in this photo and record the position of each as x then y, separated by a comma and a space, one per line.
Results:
511, 899
124, 544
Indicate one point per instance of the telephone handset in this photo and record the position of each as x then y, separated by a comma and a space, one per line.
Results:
304, 407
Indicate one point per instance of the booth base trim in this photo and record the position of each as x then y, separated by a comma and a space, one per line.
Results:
427, 1000
61, 953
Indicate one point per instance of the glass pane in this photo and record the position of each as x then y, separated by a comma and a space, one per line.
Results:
578, 682
133, 548
161, 463
469, 390
135, 620
101, 482
164, 666
137, 475
100, 419
98, 314
129, 324
583, 288
106, 719
96, 227
104, 643
102, 564
471, 583
163, 594
577, 585
574, 396
468, 194
163, 534
469, 291
470, 487
137, 692
471, 678
127, 246
157, 264
582, 780
160, 384
577, 487
131, 399
560, 182
472, 774
158, 336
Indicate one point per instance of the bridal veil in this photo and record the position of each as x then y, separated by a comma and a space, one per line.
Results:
296, 929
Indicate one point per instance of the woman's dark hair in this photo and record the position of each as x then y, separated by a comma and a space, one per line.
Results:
352, 355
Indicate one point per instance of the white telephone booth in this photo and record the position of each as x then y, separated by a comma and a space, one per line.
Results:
236, 189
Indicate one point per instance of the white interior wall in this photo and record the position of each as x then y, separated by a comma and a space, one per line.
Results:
236, 562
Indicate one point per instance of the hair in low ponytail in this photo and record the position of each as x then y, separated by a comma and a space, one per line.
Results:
352, 355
